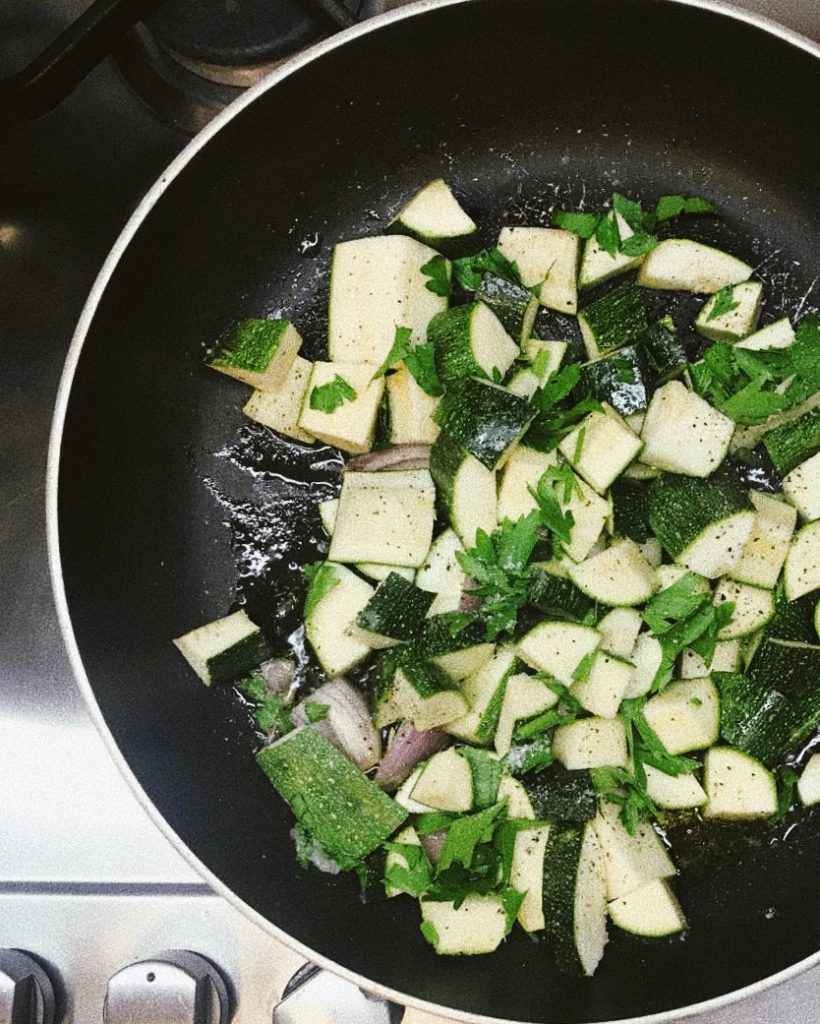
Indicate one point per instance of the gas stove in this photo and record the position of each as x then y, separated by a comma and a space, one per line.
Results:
112, 922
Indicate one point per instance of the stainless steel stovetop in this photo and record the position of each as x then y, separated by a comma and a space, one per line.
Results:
87, 882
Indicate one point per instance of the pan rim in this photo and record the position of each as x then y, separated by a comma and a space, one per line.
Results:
142, 211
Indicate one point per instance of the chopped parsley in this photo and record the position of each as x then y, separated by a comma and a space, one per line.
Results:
437, 270
673, 206
581, 224
322, 578
541, 363
271, 712
787, 779
328, 397
579, 443
402, 343
583, 668
315, 711
551, 515
555, 417
470, 269
723, 302
421, 362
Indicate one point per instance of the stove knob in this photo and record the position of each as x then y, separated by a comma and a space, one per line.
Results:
175, 987
26, 992
314, 996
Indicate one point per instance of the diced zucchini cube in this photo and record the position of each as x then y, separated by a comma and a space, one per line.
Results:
334, 599
544, 359
224, 649
683, 434
411, 410
424, 695
349, 424
650, 911
470, 341
257, 352
597, 265
765, 551
680, 264
738, 787
484, 418
384, 517
725, 659
485, 691
527, 875
754, 606
376, 285
736, 322
558, 648
646, 658
619, 631
686, 716
523, 469
631, 861
433, 214
280, 408
547, 258
478, 925
589, 513
591, 743
445, 782
801, 573
802, 488
618, 576
525, 696
600, 448
808, 786
616, 319
604, 687
440, 572
779, 334
673, 792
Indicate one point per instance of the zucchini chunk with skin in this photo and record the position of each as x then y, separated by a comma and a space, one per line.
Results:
591, 743
484, 418
683, 434
423, 694
754, 607
484, 692
514, 305
575, 898
281, 407
335, 802
793, 441
802, 488
630, 861
553, 592
680, 264
597, 265
737, 322
600, 448
441, 573
765, 551
394, 613
350, 424
522, 471
524, 697
686, 716
703, 524
534, 374
619, 631
385, 517
466, 488
527, 875
376, 285
224, 649
618, 576
651, 911
257, 352
801, 572
470, 341
411, 409
334, 598
459, 655
673, 792
558, 648
738, 787
547, 260
613, 321
604, 686
808, 786
433, 215
478, 925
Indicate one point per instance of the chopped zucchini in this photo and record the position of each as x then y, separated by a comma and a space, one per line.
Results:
470, 341
395, 859
619, 631
613, 321
553, 592
224, 649
376, 284
600, 448
433, 215
673, 792
801, 572
423, 694
524, 697
441, 573
558, 794
527, 875
703, 524
618, 576
513, 304
411, 410
483, 418
725, 659
686, 716
558, 648
630, 861
280, 408
460, 655
350, 425
534, 374
522, 471
646, 658
445, 782
738, 787
682, 433
630, 509
604, 686
793, 441
335, 597
808, 786
597, 265
802, 488
680, 264
337, 805
394, 613
779, 334
258, 352
384, 517
737, 322
651, 911
754, 607
477, 925
591, 743
404, 798
575, 898
664, 355
466, 488
547, 259
765, 551
484, 692
620, 379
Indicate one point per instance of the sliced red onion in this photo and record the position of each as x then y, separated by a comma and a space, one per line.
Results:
433, 844
407, 748
400, 456
278, 674
347, 724
469, 602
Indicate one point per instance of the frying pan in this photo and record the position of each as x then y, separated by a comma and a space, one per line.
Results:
164, 509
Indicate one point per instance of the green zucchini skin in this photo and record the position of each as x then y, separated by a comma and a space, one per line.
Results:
664, 355
558, 794
616, 319
557, 596
239, 659
793, 620
446, 457
396, 610
426, 679
682, 507
630, 505
449, 332
513, 304
484, 419
436, 638
792, 443
619, 379
790, 665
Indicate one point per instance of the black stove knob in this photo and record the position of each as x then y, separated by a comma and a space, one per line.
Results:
26, 992
174, 987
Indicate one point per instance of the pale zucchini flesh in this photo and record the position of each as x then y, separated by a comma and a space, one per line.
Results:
738, 787
351, 424
680, 264
651, 911
558, 647
686, 716
281, 407
618, 576
802, 488
433, 214
477, 926
600, 448
547, 258
591, 743
682, 433
801, 572
739, 321
765, 551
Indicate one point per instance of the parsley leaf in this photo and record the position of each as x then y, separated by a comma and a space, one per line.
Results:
787, 779
540, 364
672, 206
315, 711
428, 930
673, 603
583, 668
328, 397
469, 269
647, 748
550, 513
581, 224
638, 244
554, 421
608, 236
416, 878
438, 270
486, 775
271, 712
322, 578
465, 833
421, 362
402, 344
563, 474
632, 212
723, 302
620, 787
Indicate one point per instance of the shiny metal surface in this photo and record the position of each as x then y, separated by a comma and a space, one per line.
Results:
313, 995
174, 987
87, 882
26, 992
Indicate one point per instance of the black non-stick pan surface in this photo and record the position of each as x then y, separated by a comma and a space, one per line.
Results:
172, 508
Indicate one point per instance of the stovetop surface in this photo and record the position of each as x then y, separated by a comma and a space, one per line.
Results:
75, 844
